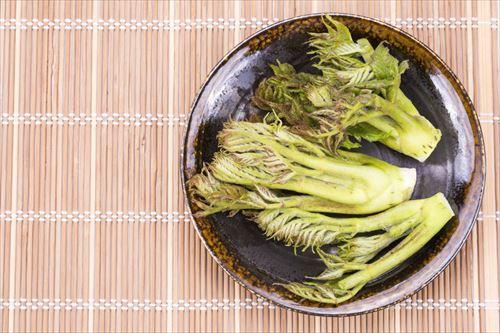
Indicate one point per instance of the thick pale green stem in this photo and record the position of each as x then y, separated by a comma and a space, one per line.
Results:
212, 196
328, 191
405, 103
416, 136
367, 247
385, 125
346, 178
327, 164
436, 213
300, 228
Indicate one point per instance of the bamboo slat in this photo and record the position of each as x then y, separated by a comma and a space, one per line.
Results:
94, 233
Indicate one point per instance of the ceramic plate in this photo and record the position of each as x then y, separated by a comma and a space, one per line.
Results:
455, 168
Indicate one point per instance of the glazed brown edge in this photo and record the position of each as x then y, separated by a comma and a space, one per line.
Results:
479, 169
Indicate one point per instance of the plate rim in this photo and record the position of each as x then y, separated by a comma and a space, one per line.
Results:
331, 311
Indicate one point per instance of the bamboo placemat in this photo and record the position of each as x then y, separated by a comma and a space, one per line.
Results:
94, 233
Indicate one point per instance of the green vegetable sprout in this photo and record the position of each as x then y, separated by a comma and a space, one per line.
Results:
356, 97
435, 212
290, 170
273, 157
213, 196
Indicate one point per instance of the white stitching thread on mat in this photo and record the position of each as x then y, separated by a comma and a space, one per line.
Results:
215, 304
124, 119
119, 216
86, 119
87, 216
218, 23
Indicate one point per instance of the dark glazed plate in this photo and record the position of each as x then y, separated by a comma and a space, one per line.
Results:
456, 167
